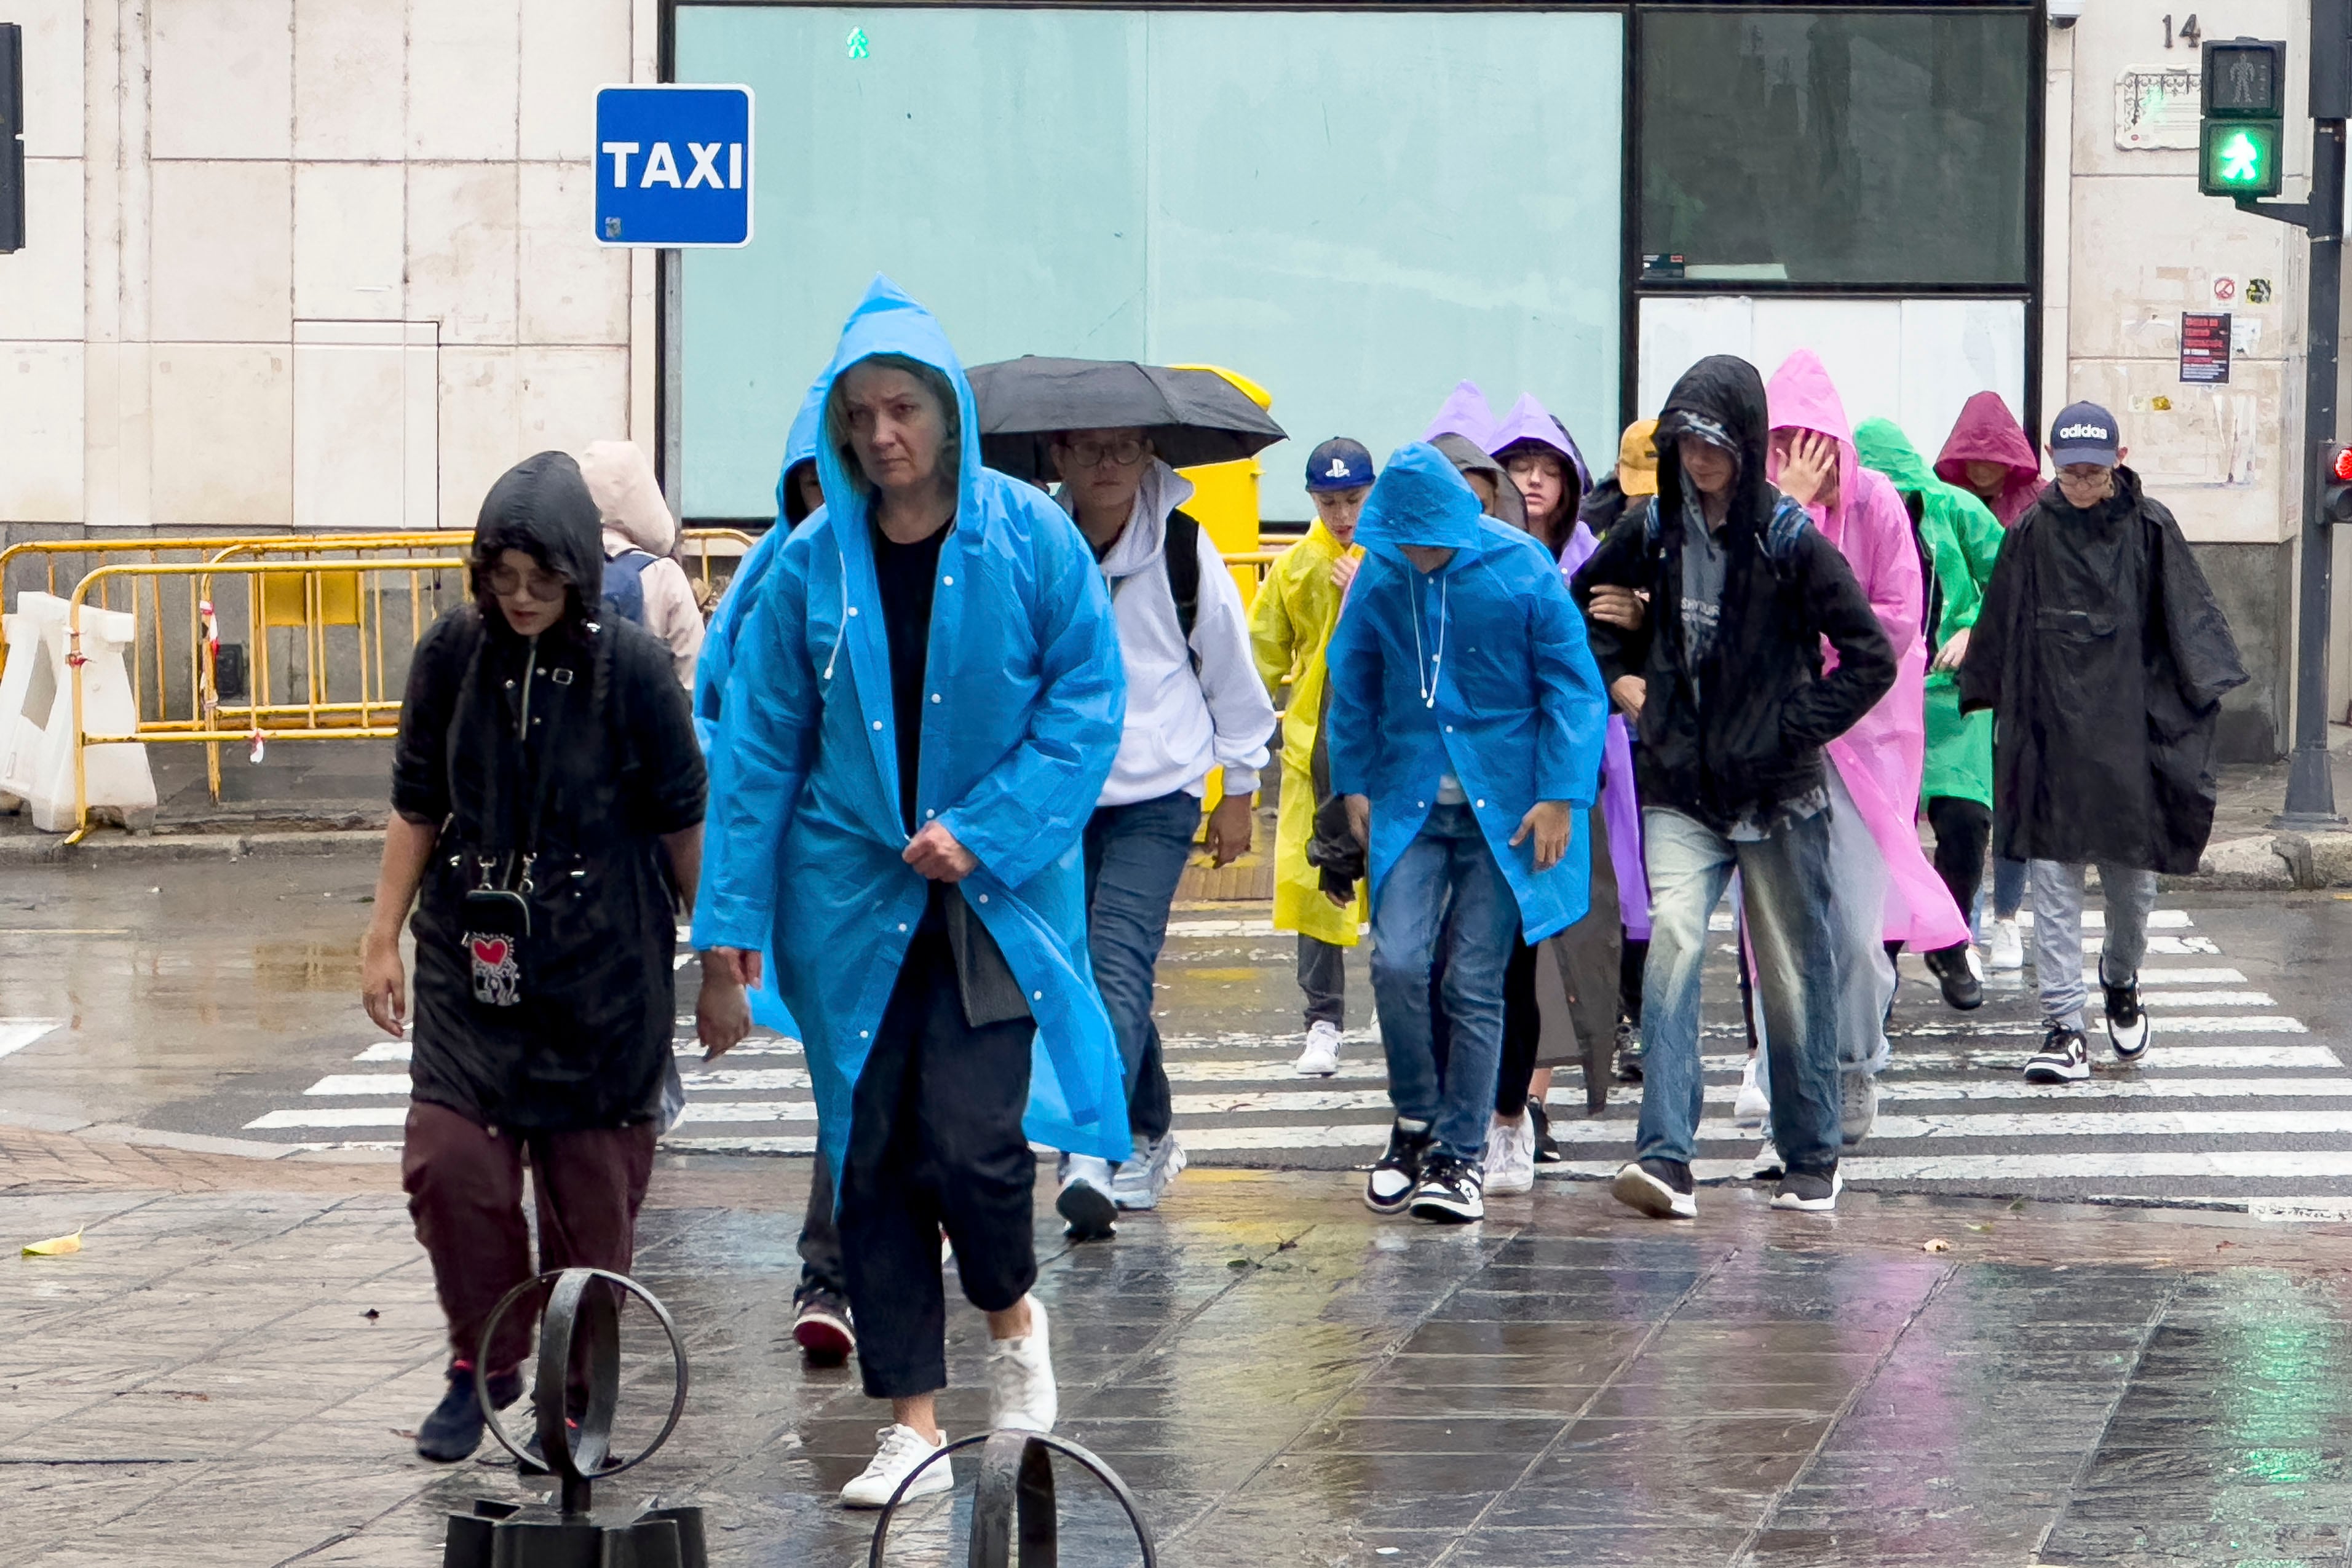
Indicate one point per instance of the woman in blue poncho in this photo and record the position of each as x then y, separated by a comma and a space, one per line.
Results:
921, 712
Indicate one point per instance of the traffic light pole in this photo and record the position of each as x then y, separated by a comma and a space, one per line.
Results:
2310, 784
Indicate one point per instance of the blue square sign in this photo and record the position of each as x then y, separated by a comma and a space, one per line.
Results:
673, 165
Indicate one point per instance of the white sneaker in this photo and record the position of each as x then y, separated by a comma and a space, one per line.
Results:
1752, 1106
1085, 1203
901, 1449
1857, 1106
2006, 948
1021, 1378
1141, 1180
1321, 1056
1510, 1162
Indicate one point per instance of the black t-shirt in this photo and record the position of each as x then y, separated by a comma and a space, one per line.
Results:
906, 574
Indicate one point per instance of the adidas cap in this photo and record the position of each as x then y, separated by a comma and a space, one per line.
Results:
2084, 432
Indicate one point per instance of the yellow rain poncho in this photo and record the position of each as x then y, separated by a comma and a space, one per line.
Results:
1290, 625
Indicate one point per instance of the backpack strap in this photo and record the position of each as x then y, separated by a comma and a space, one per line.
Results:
1180, 554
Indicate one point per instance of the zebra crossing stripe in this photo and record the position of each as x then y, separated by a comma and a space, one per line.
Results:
16, 1034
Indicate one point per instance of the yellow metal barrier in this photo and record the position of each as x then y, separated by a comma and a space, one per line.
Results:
375, 714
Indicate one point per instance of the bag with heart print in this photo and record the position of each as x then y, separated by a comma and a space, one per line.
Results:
496, 927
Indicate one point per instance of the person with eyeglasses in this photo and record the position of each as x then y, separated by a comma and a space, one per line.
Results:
1464, 737
2103, 656
546, 798
1194, 706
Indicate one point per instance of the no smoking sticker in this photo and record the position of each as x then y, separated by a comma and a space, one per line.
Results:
2225, 290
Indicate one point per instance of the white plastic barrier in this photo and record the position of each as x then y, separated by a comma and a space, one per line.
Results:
36, 716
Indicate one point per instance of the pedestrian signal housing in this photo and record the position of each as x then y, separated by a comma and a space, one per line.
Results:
2335, 484
2245, 126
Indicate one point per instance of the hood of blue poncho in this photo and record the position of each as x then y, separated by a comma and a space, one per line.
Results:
1419, 498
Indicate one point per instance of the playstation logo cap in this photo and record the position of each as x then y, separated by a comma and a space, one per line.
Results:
2084, 432
1339, 464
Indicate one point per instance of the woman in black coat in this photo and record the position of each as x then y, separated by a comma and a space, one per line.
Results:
547, 826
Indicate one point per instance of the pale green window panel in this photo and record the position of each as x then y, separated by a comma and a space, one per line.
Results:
1356, 209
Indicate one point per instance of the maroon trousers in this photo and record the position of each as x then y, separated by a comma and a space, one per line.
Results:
464, 1182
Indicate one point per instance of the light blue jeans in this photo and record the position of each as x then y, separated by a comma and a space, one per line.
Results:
1800, 965
1447, 866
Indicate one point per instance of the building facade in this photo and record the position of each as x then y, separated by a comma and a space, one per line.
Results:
328, 264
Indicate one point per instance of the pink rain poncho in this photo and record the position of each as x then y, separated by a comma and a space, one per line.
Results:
1881, 758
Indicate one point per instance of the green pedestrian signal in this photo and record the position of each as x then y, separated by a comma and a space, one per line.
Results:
2239, 158
2243, 97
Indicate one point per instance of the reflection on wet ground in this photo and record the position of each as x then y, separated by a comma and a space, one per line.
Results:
1282, 1377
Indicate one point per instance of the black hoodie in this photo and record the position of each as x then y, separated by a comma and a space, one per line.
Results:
575, 749
1736, 735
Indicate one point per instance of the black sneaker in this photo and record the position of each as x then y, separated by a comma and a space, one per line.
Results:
1547, 1146
2126, 1023
1955, 969
1813, 1191
1452, 1191
1390, 1185
1629, 1051
2062, 1059
1659, 1188
821, 1327
453, 1430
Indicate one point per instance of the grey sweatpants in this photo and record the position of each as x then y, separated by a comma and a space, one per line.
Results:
2054, 891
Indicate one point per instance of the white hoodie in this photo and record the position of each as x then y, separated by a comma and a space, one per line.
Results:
1180, 722
629, 504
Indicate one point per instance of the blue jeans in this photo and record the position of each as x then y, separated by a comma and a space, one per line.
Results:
1785, 883
1135, 857
1446, 868
2007, 888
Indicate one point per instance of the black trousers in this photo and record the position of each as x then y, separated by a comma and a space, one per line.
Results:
1631, 963
1963, 833
820, 1239
935, 1143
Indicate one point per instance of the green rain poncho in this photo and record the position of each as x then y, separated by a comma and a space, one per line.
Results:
1962, 540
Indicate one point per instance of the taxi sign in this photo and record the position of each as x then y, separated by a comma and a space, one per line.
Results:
673, 165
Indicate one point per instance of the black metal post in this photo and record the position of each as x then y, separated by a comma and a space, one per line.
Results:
2310, 785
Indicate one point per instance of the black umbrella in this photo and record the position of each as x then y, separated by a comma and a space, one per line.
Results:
1192, 416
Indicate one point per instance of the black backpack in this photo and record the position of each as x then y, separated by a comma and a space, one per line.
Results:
1180, 553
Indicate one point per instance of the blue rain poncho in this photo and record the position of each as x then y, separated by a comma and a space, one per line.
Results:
718, 661
1023, 721
1479, 669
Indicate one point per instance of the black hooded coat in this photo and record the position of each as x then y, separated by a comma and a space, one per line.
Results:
569, 754
2104, 655
1738, 733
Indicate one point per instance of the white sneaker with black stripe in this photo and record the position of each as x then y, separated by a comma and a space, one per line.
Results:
2126, 1020
2063, 1057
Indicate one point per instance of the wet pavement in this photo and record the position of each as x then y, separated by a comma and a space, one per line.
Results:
212, 1000
229, 1376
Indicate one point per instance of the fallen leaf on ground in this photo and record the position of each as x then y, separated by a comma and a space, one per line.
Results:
1936, 1244
56, 1247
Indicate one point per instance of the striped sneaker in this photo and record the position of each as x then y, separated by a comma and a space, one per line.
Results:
2126, 1021
2062, 1059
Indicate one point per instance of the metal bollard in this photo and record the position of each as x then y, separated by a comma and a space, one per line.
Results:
498, 1534
1017, 1490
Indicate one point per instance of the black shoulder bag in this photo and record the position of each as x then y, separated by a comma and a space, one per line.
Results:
494, 921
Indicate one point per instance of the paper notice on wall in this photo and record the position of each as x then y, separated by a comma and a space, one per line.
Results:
2245, 333
2204, 347
2157, 108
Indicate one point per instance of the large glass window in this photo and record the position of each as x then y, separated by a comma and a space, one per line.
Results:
1882, 148
1354, 209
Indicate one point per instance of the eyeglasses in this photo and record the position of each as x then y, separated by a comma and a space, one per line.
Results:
2085, 479
1126, 451
544, 586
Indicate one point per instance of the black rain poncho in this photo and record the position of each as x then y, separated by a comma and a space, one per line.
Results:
589, 1046
2103, 656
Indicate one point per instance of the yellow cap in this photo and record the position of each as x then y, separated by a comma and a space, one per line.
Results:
1637, 458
